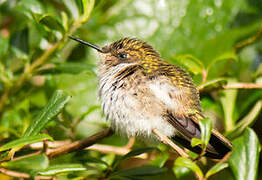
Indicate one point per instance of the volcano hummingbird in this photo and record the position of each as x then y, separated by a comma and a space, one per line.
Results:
140, 92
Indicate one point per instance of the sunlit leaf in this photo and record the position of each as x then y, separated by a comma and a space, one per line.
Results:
196, 141
228, 99
245, 155
181, 171
160, 160
215, 169
54, 106
205, 127
62, 168
87, 8
24, 141
180, 161
72, 7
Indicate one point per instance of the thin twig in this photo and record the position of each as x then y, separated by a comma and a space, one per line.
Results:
248, 41
164, 139
115, 150
243, 86
81, 144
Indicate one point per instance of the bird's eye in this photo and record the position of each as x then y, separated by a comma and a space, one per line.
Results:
122, 56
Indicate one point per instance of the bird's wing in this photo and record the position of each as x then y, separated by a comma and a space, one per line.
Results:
174, 87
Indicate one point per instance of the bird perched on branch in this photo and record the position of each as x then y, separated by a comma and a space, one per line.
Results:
142, 94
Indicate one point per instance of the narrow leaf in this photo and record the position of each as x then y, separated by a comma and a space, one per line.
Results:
4, 45
24, 141
205, 127
245, 155
196, 141
215, 169
228, 99
54, 106
71, 5
51, 22
224, 57
62, 168
246, 121
180, 161
37, 162
88, 5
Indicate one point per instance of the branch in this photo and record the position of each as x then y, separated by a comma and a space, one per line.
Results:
164, 139
81, 144
248, 41
243, 86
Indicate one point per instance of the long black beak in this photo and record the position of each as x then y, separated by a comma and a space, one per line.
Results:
87, 43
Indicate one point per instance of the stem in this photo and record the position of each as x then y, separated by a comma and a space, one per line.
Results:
81, 144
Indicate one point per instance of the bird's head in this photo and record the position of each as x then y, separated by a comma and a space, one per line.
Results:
126, 50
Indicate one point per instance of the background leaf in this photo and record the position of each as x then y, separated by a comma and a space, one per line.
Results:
54, 106
244, 158
37, 162
24, 141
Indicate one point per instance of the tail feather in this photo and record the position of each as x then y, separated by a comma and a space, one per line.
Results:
216, 148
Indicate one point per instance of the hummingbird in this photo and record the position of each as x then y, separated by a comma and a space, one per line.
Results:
139, 92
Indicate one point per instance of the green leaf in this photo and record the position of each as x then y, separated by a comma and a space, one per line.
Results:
245, 155
140, 171
62, 168
160, 160
215, 169
51, 22
4, 45
24, 141
224, 57
137, 152
54, 106
205, 127
196, 141
193, 64
71, 5
228, 99
88, 5
37, 162
248, 120
216, 83
180, 161
181, 171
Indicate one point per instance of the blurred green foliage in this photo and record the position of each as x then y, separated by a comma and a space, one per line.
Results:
217, 41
